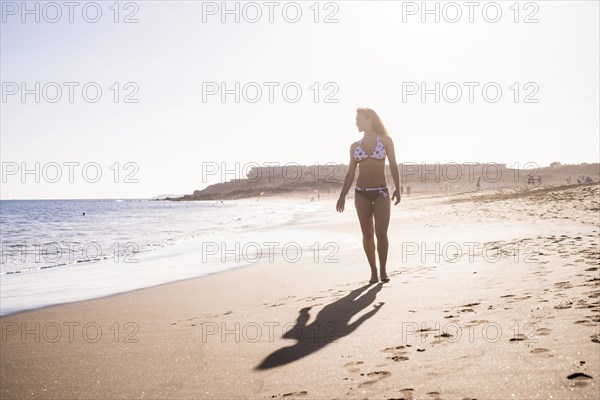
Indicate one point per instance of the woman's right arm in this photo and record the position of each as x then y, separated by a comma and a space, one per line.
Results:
348, 180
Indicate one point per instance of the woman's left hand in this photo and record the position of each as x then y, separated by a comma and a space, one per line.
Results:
396, 195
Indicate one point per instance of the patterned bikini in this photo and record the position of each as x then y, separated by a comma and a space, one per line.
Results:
371, 193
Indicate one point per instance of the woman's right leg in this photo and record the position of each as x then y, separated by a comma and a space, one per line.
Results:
381, 212
364, 209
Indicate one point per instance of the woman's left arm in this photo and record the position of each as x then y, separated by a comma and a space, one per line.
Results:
391, 154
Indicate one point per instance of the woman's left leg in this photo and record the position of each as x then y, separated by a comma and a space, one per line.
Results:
381, 212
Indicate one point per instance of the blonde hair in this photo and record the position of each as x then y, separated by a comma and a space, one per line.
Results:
375, 120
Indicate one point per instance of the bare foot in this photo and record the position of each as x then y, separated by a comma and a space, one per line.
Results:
384, 277
374, 278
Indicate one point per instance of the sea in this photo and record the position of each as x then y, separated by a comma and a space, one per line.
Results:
60, 251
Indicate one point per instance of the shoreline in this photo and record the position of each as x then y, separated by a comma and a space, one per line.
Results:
186, 254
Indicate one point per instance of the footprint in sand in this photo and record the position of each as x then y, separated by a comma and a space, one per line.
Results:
515, 299
407, 394
376, 377
563, 285
579, 375
595, 338
300, 393
585, 322
352, 366
434, 395
541, 350
565, 306
519, 337
543, 332
584, 304
579, 379
398, 353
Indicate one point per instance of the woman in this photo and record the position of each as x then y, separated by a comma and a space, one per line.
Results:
372, 199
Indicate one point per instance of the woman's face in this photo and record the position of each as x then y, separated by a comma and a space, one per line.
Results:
362, 122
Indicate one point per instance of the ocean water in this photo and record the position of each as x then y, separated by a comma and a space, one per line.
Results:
52, 253
38, 234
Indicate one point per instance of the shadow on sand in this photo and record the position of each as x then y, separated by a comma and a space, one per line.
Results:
330, 325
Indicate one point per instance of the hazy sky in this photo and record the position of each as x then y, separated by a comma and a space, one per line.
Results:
378, 54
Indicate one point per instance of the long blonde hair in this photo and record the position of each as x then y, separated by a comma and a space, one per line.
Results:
375, 120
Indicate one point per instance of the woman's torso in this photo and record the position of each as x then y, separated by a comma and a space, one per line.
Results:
371, 163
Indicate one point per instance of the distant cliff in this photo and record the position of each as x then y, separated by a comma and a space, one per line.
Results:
422, 178
274, 180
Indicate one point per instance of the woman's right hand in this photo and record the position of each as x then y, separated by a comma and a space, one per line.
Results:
340, 204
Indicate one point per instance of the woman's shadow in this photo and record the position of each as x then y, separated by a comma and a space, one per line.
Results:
331, 324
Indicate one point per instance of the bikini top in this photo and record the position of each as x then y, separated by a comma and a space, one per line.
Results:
378, 152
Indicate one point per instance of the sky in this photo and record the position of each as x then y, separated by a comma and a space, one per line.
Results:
137, 99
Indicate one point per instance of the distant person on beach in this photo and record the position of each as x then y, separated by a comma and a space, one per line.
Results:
371, 195
401, 189
479, 183
530, 180
568, 180
408, 190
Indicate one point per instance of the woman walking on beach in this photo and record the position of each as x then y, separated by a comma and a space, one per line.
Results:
372, 199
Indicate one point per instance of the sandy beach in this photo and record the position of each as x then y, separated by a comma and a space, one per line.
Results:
493, 295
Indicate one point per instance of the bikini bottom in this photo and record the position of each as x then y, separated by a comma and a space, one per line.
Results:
373, 193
